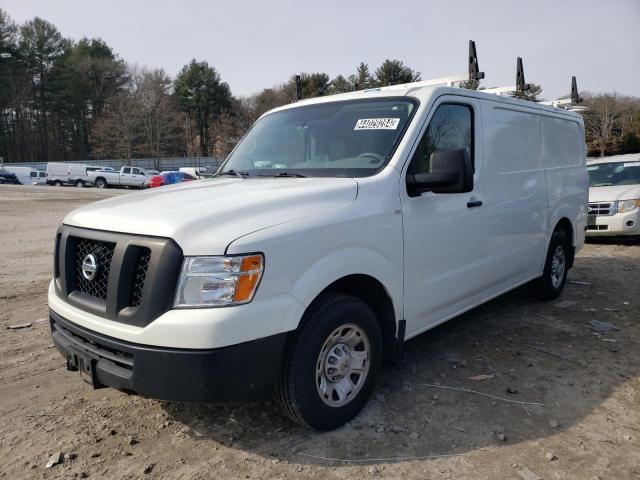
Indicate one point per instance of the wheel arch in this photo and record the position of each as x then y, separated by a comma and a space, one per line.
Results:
372, 292
564, 225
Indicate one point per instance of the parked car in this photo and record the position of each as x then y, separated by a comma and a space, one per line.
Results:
153, 182
169, 178
337, 229
126, 177
614, 197
8, 178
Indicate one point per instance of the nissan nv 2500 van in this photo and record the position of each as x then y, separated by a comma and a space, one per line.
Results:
338, 228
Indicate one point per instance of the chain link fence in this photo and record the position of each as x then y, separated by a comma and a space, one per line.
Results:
162, 164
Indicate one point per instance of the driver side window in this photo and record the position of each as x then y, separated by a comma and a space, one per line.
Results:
450, 128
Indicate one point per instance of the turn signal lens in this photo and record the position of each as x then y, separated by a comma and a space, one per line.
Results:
251, 263
251, 268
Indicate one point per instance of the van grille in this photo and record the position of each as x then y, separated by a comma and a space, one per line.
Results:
135, 279
601, 208
103, 252
142, 265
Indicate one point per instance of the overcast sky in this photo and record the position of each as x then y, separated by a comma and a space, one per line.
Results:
256, 44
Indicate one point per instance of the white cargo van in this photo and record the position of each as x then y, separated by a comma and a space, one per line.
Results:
59, 174
337, 229
38, 177
614, 197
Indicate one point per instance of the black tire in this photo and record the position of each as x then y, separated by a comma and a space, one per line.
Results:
297, 392
79, 184
546, 287
57, 183
101, 183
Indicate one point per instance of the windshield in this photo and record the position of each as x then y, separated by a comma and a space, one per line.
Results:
614, 173
353, 138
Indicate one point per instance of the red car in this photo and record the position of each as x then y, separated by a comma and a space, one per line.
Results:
156, 181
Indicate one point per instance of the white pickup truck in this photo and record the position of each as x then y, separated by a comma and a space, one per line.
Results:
126, 177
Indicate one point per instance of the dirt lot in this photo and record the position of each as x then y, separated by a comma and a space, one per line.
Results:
543, 353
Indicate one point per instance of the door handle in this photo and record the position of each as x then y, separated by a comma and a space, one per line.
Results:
474, 203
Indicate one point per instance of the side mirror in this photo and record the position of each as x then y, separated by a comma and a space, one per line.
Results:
451, 172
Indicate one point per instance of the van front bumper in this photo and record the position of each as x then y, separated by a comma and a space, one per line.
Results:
619, 224
232, 374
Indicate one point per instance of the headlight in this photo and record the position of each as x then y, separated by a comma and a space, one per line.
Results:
218, 281
625, 206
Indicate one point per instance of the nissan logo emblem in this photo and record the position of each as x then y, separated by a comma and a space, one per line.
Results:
89, 267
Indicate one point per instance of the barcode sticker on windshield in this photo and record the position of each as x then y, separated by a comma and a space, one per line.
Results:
632, 164
377, 124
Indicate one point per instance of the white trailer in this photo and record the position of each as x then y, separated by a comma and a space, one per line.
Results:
25, 174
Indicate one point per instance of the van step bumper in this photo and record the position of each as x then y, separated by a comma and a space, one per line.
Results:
233, 374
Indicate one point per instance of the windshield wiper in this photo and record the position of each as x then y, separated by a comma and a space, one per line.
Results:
285, 174
233, 173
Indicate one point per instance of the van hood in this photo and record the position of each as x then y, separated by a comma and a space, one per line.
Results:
612, 193
205, 216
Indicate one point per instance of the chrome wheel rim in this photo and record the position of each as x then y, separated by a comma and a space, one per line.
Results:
343, 365
557, 266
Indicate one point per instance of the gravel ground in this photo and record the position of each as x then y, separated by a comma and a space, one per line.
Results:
583, 419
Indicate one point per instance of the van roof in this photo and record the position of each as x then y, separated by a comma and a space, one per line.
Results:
424, 93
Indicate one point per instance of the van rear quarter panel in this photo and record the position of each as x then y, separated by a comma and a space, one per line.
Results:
564, 160
515, 191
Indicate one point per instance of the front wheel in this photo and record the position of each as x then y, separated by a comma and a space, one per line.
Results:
331, 364
556, 266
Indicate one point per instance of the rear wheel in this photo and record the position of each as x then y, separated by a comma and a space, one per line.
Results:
331, 364
79, 183
556, 266
101, 183
57, 183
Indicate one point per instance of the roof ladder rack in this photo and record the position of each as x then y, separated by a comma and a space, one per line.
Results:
298, 88
520, 85
571, 102
473, 74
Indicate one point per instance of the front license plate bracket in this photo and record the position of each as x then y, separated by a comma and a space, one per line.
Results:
86, 365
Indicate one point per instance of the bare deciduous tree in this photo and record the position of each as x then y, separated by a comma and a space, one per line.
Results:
117, 131
601, 121
160, 119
